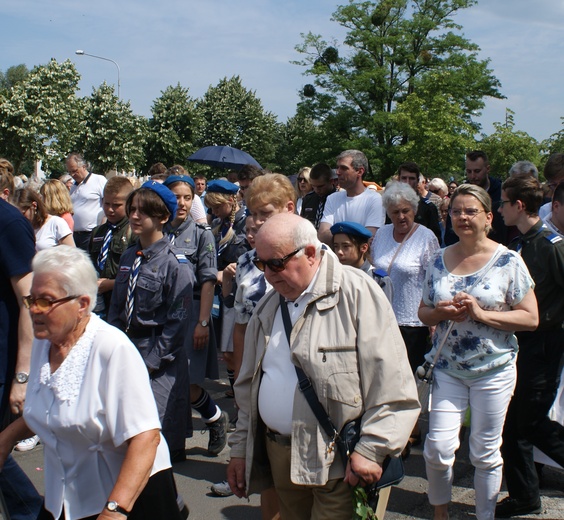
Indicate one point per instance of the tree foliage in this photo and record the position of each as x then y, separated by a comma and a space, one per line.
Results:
173, 127
39, 115
112, 137
506, 146
393, 49
13, 75
234, 116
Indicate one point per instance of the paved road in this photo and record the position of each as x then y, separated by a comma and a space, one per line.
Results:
407, 501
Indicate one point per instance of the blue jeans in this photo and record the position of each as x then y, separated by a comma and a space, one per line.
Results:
22, 499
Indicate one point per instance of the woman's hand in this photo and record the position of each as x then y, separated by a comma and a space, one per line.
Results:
201, 336
450, 310
470, 304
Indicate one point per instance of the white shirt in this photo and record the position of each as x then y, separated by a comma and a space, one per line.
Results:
279, 382
408, 270
85, 412
53, 230
545, 210
365, 209
551, 225
87, 201
198, 212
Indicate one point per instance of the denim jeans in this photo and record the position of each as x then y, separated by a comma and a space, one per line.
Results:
22, 499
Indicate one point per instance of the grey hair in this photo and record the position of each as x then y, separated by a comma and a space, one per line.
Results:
358, 159
72, 267
524, 168
397, 192
304, 234
438, 184
80, 161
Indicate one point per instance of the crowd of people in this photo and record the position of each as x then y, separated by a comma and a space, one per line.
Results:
133, 290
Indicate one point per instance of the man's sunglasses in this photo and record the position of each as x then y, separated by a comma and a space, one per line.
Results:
276, 265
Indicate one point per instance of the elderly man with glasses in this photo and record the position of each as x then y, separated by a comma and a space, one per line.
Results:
341, 331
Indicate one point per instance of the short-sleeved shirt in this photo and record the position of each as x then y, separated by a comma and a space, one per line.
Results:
251, 287
51, 233
408, 268
87, 201
85, 412
365, 209
17, 248
473, 349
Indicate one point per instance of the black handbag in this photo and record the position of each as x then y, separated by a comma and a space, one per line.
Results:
346, 439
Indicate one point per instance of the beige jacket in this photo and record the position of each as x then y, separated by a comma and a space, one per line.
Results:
348, 343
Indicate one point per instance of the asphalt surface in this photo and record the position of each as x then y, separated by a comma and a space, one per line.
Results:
408, 500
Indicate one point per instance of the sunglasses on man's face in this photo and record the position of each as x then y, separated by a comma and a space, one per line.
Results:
276, 265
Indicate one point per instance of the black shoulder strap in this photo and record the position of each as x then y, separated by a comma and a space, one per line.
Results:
305, 384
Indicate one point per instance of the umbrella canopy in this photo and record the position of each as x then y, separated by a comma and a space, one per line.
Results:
223, 157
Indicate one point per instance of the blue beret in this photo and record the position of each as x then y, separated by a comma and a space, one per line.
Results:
351, 228
220, 186
179, 178
164, 193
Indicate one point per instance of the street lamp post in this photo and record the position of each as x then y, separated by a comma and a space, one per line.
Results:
82, 53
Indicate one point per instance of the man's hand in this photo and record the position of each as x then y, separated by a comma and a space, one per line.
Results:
236, 476
361, 470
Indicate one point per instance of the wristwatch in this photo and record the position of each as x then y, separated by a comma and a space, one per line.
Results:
204, 323
21, 377
114, 507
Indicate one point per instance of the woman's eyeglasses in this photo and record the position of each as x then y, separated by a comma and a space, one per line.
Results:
302, 179
470, 212
276, 265
44, 304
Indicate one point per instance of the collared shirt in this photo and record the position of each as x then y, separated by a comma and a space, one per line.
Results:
85, 412
279, 381
87, 201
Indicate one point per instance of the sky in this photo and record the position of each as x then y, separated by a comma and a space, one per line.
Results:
198, 43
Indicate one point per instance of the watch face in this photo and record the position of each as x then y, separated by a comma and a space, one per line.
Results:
204, 323
22, 377
112, 506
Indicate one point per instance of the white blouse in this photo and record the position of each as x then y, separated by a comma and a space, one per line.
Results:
85, 412
408, 269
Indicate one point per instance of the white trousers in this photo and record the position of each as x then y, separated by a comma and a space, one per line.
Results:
488, 398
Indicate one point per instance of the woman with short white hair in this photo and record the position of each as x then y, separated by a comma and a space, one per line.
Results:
90, 401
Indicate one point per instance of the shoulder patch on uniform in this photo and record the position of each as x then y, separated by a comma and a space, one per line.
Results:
553, 238
203, 226
181, 257
428, 201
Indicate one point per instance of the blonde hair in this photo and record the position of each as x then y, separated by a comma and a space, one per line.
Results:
56, 197
272, 188
216, 199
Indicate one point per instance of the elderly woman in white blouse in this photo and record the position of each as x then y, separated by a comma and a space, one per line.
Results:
403, 249
90, 401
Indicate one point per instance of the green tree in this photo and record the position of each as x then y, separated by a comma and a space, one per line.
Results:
173, 127
506, 146
39, 115
393, 48
232, 115
113, 138
439, 134
555, 143
13, 76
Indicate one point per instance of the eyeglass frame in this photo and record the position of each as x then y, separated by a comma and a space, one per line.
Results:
301, 179
280, 265
473, 212
29, 301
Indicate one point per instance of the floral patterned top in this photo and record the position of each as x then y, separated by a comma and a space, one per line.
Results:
473, 349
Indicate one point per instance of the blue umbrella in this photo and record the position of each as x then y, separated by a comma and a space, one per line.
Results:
223, 157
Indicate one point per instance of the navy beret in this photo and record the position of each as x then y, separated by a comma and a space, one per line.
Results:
179, 178
221, 186
351, 228
164, 193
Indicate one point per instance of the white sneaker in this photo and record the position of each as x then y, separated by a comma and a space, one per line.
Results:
222, 489
27, 444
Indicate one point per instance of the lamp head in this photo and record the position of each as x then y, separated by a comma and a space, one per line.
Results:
79, 52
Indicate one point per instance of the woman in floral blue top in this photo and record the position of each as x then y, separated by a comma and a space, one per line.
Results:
476, 367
